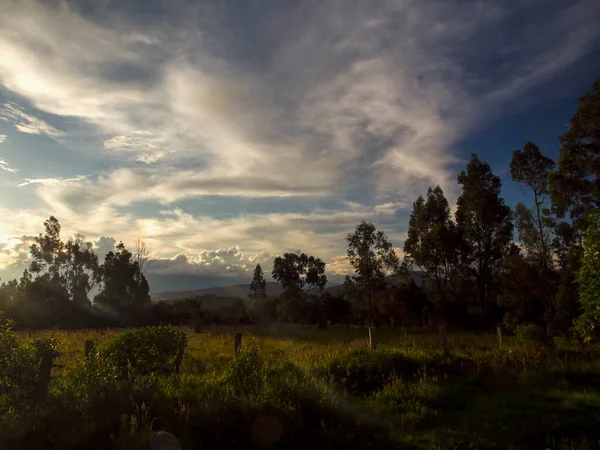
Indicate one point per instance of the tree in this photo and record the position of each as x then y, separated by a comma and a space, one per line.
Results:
530, 168
141, 257
372, 256
258, 285
433, 241
297, 271
71, 265
124, 287
575, 187
588, 279
484, 222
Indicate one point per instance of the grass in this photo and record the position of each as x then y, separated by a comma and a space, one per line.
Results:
300, 387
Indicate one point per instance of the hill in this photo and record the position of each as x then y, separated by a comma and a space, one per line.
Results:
241, 290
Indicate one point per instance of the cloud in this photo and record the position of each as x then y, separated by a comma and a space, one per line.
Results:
50, 181
26, 123
327, 100
4, 166
228, 262
2, 138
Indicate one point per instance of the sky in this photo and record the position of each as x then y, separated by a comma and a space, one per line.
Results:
225, 133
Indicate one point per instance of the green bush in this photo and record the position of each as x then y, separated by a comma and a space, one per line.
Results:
526, 334
19, 365
362, 371
146, 350
411, 401
244, 377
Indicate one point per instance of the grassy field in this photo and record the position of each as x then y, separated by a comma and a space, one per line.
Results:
301, 387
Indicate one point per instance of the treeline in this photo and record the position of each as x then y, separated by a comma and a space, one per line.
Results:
483, 266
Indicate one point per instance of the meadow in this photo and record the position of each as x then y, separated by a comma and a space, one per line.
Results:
303, 387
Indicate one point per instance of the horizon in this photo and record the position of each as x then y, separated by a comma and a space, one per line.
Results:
225, 135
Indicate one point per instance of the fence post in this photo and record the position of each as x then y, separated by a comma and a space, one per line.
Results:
372, 339
41, 388
89, 348
499, 334
237, 343
178, 360
443, 340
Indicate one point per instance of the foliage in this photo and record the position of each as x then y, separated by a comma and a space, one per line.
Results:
372, 256
484, 223
258, 285
588, 279
363, 371
146, 350
297, 271
123, 284
574, 185
18, 366
433, 242
410, 400
244, 377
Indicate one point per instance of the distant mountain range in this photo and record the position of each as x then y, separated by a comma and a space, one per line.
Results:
242, 290
237, 290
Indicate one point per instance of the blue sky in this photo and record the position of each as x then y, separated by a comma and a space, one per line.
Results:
224, 133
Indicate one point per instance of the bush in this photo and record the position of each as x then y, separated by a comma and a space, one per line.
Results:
146, 350
363, 370
244, 377
411, 401
19, 365
526, 334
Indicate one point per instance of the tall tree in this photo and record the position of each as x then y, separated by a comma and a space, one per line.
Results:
123, 286
530, 168
484, 222
575, 186
298, 271
258, 285
433, 241
72, 265
373, 257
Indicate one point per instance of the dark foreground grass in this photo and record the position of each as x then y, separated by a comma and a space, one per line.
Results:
332, 392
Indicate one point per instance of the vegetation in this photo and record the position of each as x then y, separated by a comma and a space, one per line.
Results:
301, 387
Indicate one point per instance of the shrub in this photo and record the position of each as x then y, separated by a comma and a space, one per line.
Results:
19, 366
363, 370
526, 334
146, 350
244, 377
411, 401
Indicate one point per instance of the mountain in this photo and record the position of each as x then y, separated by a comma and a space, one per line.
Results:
242, 290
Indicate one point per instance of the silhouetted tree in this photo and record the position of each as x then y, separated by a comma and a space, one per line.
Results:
298, 271
484, 222
258, 285
123, 286
373, 257
433, 242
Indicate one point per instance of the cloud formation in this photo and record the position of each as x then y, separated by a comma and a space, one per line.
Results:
354, 103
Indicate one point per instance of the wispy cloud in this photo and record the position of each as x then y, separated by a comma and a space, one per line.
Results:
50, 181
26, 123
4, 166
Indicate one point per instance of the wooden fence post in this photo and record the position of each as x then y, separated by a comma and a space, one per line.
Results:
89, 348
372, 339
237, 343
499, 334
178, 361
43, 381
443, 340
